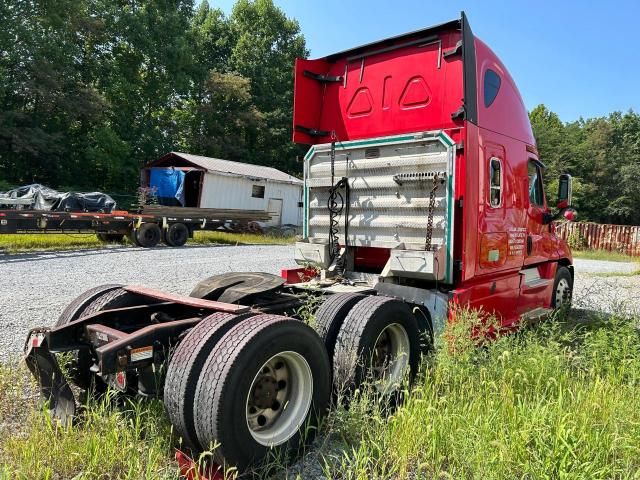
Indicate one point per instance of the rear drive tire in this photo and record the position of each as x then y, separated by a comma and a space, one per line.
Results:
94, 300
379, 341
562, 289
331, 315
262, 391
185, 368
176, 235
148, 235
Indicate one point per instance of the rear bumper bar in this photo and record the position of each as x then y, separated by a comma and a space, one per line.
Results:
129, 339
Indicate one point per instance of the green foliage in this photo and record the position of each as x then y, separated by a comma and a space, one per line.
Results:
92, 89
577, 241
16, 243
560, 400
126, 440
557, 401
603, 156
611, 256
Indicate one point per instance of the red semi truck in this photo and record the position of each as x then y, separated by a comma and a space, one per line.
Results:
423, 189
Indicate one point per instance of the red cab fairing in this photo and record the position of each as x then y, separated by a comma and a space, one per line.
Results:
410, 83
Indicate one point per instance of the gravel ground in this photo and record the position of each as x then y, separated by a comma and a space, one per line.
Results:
597, 287
38, 286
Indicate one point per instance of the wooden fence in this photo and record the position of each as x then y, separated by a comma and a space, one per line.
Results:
619, 238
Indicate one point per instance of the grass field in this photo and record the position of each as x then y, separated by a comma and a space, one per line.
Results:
557, 401
604, 255
39, 242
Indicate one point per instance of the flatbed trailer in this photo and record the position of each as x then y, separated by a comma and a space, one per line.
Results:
145, 229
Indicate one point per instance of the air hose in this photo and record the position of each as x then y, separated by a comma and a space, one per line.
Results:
336, 205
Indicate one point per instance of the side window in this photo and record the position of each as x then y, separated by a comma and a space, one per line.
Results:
536, 192
257, 191
495, 182
492, 83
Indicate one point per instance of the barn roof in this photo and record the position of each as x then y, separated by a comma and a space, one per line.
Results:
227, 167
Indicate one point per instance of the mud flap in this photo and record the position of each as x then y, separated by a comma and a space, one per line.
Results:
55, 392
190, 470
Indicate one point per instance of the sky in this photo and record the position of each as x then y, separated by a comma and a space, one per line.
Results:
579, 58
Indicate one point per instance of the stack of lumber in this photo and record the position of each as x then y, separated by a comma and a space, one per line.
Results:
233, 215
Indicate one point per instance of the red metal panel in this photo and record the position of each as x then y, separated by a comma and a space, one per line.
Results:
191, 470
298, 275
401, 88
507, 114
307, 98
190, 301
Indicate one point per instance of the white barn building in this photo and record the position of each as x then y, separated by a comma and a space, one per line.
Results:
216, 183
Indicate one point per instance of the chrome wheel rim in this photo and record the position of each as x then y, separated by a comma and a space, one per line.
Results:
279, 398
390, 357
563, 293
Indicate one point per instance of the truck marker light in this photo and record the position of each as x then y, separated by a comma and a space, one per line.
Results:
37, 339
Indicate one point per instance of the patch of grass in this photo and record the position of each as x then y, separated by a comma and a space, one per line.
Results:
16, 243
559, 400
604, 255
556, 401
205, 238
618, 274
127, 441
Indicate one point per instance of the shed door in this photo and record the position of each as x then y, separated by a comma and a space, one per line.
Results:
275, 210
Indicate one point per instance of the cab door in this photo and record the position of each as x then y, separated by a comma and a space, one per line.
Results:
539, 246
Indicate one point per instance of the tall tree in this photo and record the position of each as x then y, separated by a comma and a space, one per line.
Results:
46, 101
602, 154
267, 44
146, 74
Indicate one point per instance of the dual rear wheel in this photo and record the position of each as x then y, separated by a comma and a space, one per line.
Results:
375, 340
253, 385
149, 235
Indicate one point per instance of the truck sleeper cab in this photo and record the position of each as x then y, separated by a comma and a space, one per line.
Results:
444, 188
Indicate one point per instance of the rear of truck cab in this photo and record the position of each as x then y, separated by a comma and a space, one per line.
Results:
436, 102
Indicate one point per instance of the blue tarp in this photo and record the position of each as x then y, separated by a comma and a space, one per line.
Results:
169, 185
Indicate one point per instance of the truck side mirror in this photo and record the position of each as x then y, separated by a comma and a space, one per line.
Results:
565, 184
570, 215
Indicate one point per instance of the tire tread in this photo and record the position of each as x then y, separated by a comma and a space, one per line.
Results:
185, 368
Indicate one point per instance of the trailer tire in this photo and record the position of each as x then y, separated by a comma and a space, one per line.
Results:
94, 300
176, 235
562, 289
185, 367
376, 326
148, 235
133, 238
331, 315
262, 391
